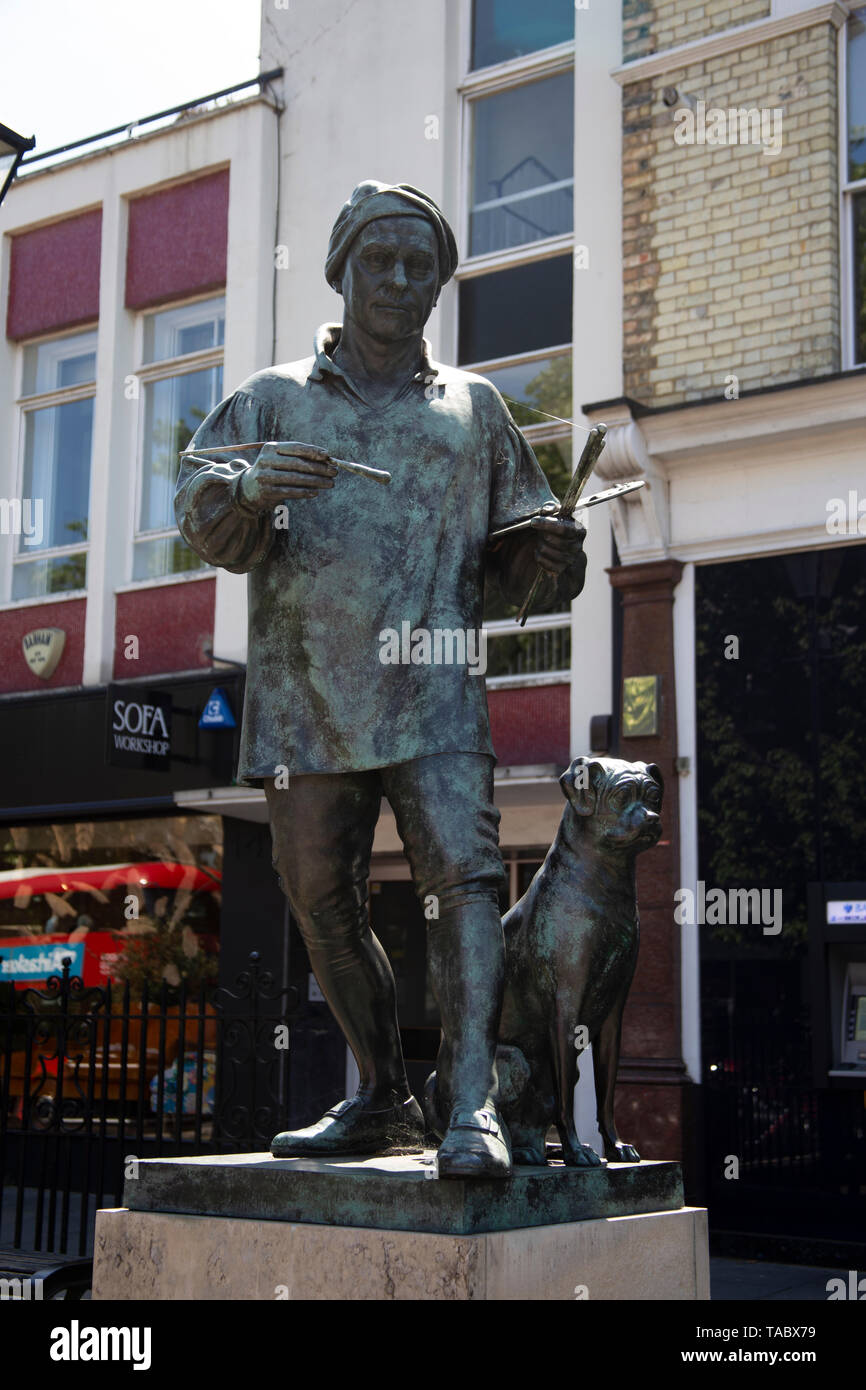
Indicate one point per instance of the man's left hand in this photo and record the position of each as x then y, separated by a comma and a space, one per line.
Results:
560, 545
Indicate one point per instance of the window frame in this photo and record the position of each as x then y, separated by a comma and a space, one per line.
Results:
535, 435
26, 405
477, 83
481, 82
485, 82
146, 374
848, 191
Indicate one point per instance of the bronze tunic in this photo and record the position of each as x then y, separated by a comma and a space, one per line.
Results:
329, 574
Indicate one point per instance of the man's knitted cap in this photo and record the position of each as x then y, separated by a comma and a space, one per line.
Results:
372, 200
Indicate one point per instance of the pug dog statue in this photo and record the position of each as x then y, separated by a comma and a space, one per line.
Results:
571, 946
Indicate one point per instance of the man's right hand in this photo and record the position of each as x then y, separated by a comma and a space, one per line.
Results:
281, 473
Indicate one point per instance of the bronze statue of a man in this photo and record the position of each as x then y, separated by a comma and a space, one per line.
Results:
335, 561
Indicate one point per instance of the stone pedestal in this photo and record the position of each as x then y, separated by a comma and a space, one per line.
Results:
255, 1227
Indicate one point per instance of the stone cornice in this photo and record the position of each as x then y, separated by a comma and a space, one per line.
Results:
797, 425
720, 427
729, 41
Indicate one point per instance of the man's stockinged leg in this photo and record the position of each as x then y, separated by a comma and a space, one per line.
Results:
355, 976
449, 826
466, 956
322, 838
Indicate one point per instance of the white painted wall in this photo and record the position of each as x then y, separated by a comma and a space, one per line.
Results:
244, 138
597, 333
360, 81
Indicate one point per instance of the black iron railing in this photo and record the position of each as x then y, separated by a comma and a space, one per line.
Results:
94, 1079
781, 1153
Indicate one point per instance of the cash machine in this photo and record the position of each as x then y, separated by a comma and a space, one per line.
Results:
837, 961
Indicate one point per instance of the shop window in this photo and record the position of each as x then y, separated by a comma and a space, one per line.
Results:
505, 29
58, 386
522, 177
127, 899
181, 374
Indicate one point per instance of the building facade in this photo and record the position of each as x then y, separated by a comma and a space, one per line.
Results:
742, 403
660, 218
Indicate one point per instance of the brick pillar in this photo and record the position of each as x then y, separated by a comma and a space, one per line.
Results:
651, 1098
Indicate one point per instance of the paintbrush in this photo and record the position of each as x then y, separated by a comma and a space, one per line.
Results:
377, 475
587, 461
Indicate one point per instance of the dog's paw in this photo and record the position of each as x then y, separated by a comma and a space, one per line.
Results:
580, 1156
621, 1153
528, 1157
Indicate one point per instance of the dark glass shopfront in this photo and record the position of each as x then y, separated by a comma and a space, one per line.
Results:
782, 748
100, 864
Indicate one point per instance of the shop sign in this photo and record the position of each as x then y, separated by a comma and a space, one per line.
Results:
846, 911
30, 965
43, 649
138, 728
217, 713
26, 963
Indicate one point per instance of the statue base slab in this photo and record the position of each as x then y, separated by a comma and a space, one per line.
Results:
250, 1226
396, 1193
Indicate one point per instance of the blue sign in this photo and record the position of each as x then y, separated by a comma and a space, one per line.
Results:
846, 911
34, 963
217, 713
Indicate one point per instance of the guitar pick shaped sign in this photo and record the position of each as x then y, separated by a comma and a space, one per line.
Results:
43, 650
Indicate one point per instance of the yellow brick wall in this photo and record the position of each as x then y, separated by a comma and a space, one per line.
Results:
652, 25
678, 21
731, 256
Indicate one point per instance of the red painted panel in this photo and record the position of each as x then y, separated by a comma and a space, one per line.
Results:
530, 724
178, 240
54, 276
15, 674
173, 623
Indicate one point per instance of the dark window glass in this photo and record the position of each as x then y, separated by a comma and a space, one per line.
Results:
781, 730
517, 310
525, 874
781, 747
503, 29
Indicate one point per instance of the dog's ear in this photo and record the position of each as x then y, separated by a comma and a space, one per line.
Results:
579, 783
655, 773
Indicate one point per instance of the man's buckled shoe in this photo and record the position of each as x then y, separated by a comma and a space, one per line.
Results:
352, 1128
476, 1145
